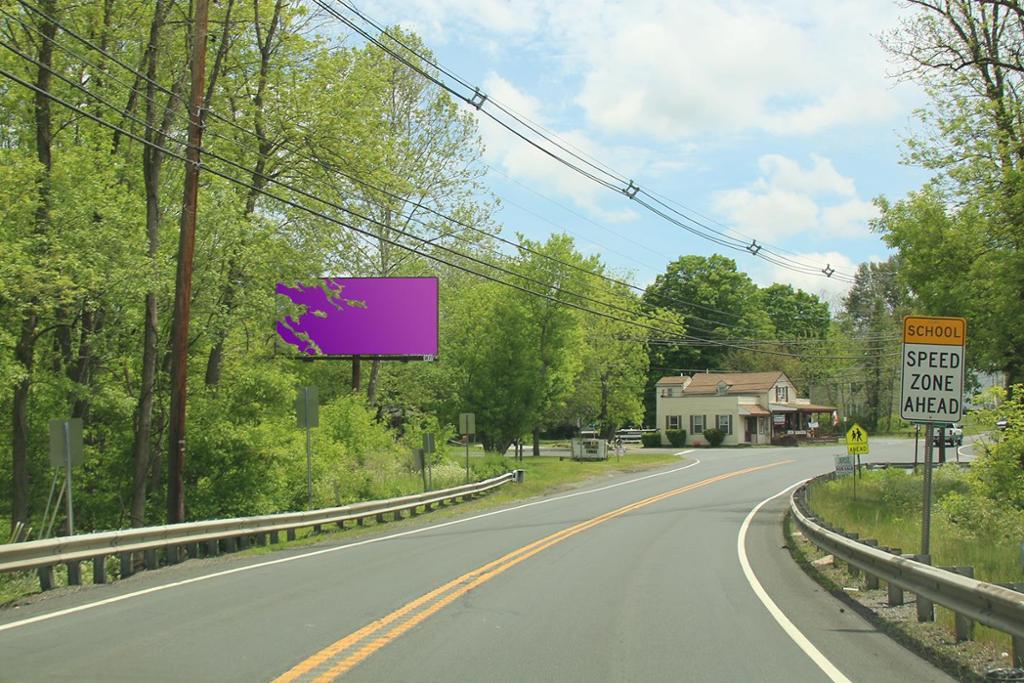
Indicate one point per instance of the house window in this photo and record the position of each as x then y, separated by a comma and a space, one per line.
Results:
698, 424
673, 421
724, 423
762, 425
722, 389
781, 394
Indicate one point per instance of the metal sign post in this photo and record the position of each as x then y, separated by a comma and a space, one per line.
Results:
926, 506
66, 451
428, 448
467, 427
307, 408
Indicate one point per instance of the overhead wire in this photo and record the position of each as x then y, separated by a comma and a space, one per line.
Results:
337, 170
632, 191
275, 181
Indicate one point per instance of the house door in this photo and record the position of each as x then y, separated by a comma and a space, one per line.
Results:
751, 429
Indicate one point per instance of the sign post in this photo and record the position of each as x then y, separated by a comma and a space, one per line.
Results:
428, 448
932, 387
467, 427
856, 446
66, 450
307, 408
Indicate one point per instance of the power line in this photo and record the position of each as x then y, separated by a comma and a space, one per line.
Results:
337, 170
478, 100
319, 214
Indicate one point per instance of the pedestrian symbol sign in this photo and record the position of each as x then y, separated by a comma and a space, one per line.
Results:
856, 440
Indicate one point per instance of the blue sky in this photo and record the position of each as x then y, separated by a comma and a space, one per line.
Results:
775, 120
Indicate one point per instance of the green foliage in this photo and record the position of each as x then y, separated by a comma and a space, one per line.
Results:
714, 437
491, 465
677, 437
652, 440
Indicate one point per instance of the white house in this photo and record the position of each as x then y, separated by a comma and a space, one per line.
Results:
750, 407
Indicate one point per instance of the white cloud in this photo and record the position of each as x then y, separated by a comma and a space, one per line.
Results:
789, 200
678, 69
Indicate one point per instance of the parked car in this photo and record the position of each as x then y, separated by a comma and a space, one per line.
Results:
953, 432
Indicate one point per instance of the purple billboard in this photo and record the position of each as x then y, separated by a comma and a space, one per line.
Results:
362, 316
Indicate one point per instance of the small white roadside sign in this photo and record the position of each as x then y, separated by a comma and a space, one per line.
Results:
844, 465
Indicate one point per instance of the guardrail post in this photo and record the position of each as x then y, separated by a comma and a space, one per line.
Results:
1016, 651
963, 626
870, 580
193, 550
317, 529
851, 569
360, 521
341, 524
261, 539
925, 607
213, 548
413, 511
895, 592
99, 569
398, 515
46, 577
289, 534
230, 544
74, 573
275, 537
172, 554
125, 568
427, 507
149, 558
243, 542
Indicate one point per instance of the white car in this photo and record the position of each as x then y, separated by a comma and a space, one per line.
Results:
954, 434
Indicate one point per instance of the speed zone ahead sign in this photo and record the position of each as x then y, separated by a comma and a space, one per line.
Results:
933, 369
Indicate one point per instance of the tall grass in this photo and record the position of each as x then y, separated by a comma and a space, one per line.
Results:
966, 529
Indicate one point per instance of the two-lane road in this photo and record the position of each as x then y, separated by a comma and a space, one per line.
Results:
636, 578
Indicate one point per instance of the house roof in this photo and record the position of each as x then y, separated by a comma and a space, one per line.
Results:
739, 382
753, 409
673, 379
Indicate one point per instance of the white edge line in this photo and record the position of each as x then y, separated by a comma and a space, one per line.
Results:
109, 601
791, 630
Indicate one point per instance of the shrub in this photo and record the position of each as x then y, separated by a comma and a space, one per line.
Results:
492, 465
651, 440
676, 437
714, 436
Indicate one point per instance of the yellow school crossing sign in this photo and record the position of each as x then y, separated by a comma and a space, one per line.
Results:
856, 440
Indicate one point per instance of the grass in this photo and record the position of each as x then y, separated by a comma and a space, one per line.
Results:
888, 507
544, 476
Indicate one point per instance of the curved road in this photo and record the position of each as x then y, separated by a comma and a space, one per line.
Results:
635, 578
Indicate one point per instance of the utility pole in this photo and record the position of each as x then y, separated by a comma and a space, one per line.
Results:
183, 282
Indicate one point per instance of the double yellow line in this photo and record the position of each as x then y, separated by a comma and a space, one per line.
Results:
341, 656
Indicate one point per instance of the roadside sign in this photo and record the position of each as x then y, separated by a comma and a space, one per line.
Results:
844, 465
467, 423
64, 442
307, 407
856, 440
933, 369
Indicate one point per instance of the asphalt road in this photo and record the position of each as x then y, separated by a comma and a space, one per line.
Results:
635, 578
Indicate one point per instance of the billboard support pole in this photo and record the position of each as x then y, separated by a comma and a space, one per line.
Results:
467, 458
357, 379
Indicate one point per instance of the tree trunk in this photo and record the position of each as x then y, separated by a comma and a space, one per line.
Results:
152, 164
24, 350
536, 441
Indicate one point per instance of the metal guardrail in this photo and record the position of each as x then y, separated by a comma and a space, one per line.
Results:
233, 533
995, 606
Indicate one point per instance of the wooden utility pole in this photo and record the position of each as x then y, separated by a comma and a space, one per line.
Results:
183, 283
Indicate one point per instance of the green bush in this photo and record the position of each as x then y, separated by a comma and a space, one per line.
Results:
492, 465
651, 440
676, 437
715, 437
